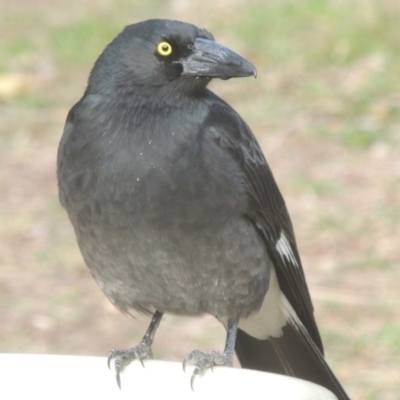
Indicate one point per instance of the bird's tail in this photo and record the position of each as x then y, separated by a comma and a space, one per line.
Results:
293, 354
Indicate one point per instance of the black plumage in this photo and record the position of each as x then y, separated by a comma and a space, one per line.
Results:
175, 208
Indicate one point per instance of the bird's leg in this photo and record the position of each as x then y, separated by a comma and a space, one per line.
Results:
203, 361
141, 352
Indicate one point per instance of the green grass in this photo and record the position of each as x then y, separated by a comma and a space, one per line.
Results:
306, 37
81, 43
389, 337
18, 46
316, 32
307, 184
372, 262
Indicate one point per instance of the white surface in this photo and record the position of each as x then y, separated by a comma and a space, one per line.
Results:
24, 376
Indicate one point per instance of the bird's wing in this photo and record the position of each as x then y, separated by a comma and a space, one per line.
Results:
267, 209
298, 350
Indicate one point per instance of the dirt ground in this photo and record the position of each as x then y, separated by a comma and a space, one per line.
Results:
326, 110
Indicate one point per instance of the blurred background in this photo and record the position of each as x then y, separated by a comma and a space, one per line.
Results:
326, 110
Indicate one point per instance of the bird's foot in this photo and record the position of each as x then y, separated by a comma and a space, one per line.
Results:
124, 357
203, 361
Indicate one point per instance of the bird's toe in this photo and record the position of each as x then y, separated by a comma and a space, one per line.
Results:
124, 357
203, 361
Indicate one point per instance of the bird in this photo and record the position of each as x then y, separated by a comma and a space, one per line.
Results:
175, 208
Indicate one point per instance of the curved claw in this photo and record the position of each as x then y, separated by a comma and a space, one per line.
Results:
187, 359
199, 370
118, 377
110, 357
117, 366
140, 358
192, 380
204, 361
123, 357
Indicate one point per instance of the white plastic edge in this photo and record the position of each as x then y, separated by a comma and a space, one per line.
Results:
26, 376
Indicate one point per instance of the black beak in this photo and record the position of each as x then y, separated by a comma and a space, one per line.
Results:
213, 60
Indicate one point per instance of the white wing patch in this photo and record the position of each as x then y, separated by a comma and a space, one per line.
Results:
287, 309
284, 249
271, 317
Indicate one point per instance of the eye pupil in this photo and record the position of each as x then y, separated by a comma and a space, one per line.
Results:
164, 49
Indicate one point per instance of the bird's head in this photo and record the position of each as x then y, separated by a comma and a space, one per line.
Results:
164, 53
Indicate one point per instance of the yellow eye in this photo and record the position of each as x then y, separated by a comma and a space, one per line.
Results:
164, 49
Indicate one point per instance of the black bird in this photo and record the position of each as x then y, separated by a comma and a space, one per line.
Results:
175, 208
